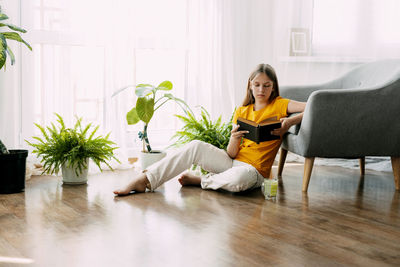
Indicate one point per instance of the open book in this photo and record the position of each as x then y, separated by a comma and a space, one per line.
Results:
259, 132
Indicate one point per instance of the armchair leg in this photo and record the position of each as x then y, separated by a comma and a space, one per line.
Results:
308, 165
362, 165
396, 171
281, 163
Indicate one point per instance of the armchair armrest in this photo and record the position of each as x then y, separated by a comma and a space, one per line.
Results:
294, 129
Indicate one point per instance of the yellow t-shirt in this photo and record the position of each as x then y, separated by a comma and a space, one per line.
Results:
261, 155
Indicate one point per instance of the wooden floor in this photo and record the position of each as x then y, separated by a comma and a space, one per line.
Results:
344, 220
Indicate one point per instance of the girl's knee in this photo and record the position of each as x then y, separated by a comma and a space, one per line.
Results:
244, 179
197, 144
193, 149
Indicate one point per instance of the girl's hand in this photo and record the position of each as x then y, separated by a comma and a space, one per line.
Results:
236, 134
284, 128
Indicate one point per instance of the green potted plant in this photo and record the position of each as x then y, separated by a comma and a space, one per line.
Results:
147, 103
69, 150
203, 129
12, 162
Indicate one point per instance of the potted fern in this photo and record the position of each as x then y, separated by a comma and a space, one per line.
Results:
204, 129
147, 103
12, 162
69, 150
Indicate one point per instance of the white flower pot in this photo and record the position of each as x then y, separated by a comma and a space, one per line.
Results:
70, 177
148, 159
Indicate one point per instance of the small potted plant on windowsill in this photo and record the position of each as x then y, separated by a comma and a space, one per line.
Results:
13, 161
146, 104
70, 149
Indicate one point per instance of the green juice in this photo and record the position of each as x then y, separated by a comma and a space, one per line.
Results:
270, 188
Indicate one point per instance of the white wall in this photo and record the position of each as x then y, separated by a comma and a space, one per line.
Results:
296, 73
261, 35
289, 14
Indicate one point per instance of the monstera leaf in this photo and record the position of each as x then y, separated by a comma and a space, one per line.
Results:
132, 117
165, 86
143, 90
145, 108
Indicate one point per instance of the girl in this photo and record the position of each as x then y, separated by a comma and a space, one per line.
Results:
244, 165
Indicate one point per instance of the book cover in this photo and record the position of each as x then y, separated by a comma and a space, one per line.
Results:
259, 132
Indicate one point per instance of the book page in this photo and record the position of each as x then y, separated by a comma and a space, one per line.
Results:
270, 120
252, 123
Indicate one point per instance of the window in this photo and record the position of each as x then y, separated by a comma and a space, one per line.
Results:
86, 50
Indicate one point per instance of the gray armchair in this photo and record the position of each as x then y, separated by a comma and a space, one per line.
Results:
354, 116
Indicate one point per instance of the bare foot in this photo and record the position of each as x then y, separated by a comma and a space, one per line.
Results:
189, 179
138, 184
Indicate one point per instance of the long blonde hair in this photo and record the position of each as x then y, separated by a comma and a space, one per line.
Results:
270, 72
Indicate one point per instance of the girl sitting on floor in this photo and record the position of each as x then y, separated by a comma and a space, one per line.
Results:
245, 164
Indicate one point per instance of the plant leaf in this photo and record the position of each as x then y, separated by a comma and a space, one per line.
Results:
3, 16
145, 108
121, 90
86, 129
12, 27
132, 117
3, 47
143, 90
11, 54
3, 57
94, 131
15, 36
60, 121
184, 106
165, 86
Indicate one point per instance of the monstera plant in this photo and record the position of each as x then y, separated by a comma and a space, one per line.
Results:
8, 32
148, 102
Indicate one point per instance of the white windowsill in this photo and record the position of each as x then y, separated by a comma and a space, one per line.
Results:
322, 59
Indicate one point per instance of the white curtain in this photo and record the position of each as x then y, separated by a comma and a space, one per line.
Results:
210, 66
84, 51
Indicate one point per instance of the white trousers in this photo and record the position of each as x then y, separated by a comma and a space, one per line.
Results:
226, 173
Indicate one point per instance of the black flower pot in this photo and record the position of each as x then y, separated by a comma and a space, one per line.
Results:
12, 171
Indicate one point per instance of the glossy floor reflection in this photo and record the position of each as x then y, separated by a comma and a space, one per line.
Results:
344, 219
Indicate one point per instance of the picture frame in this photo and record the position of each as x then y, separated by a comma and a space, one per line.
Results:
299, 42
